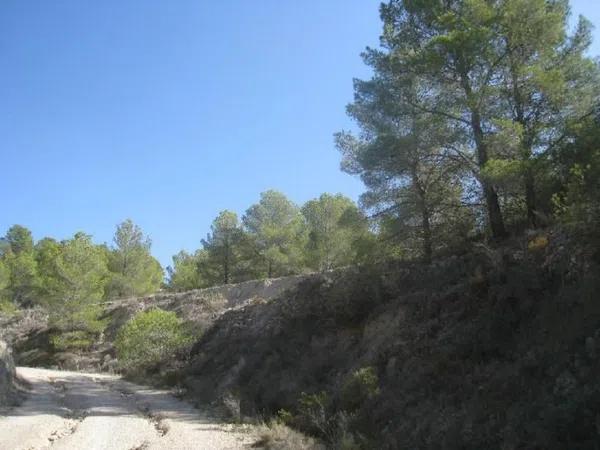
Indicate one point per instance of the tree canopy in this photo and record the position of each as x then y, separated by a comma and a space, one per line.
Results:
134, 271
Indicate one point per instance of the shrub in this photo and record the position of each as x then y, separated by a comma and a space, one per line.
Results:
148, 338
7, 308
72, 340
284, 416
278, 436
313, 413
362, 385
76, 330
538, 243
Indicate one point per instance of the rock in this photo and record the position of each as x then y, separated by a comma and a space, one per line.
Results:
7, 375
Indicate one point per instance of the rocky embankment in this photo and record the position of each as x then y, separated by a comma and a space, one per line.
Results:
7, 376
498, 348
201, 306
28, 332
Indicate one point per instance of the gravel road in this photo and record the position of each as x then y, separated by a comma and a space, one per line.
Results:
68, 410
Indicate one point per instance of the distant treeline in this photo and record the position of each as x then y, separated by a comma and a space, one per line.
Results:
70, 278
275, 237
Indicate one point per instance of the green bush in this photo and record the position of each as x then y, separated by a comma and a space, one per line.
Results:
314, 414
76, 329
72, 340
7, 307
148, 338
360, 386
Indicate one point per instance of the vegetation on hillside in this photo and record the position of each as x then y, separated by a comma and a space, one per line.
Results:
148, 338
478, 143
72, 278
498, 348
275, 238
470, 123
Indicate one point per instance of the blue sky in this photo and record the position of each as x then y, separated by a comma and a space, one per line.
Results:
167, 112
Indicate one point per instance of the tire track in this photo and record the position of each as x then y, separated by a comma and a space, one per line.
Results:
157, 420
72, 417
75, 411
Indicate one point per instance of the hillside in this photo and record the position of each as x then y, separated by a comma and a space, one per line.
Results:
29, 332
497, 348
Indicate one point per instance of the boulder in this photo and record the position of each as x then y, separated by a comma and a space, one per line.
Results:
7, 375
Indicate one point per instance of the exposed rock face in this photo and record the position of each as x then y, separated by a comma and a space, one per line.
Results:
201, 306
7, 375
29, 335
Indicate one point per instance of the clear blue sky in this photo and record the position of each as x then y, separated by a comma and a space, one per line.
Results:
167, 112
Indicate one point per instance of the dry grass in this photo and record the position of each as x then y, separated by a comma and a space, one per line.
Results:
277, 436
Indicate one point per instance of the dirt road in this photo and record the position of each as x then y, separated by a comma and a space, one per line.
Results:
67, 410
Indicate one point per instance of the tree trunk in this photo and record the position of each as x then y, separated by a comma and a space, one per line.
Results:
530, 200
526, 143
494, 212
495, 218
427, 245
425, 216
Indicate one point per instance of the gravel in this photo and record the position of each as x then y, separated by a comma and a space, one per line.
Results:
70, 410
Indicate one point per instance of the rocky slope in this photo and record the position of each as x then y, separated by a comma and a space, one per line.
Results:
28, 332
498, 348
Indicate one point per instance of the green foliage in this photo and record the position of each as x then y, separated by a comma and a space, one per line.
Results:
47, 254
504, 78
577, 203
78, 277
7, 307
134, 271
275, 228
313, 414
81, 268
71, 278
336, 231
225, 248
413, 179
185, 274
284, 416
24, 282
148, 338
19, 282
72, 341
19, 240
578, 206
4, 277
276, 238
503, 171
361, 385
